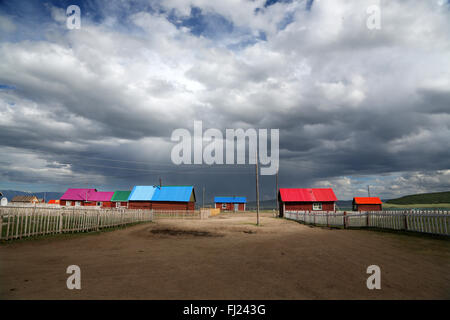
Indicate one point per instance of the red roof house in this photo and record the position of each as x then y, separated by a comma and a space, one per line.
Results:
367, 204
306, 199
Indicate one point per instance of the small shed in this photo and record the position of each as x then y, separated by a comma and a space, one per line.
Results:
306, 199
230, 203
120, 199
367, 204
25, 199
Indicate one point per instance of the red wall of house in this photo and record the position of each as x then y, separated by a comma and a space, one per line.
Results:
369, 207
306, 206
162, 205
108, 204
123, 204
139, 205
89, 204
169, 205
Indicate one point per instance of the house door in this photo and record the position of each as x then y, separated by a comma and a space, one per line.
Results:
236, 207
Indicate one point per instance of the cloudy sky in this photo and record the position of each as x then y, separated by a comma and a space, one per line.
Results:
96, 106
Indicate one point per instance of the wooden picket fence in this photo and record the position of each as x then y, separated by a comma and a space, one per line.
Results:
21, 222
181, 214
433, 222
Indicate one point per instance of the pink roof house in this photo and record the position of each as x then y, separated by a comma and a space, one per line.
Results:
73, 194
101, 196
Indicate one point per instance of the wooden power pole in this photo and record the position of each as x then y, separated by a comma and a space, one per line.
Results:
257, 190
203, 198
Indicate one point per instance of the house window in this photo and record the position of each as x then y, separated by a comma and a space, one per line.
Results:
224, 205
117, 204
99, 204
317, 206
77, 203
68, 203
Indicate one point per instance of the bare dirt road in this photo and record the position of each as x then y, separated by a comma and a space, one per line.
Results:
227, 257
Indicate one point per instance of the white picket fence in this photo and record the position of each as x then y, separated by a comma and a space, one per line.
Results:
21, 222
433, 222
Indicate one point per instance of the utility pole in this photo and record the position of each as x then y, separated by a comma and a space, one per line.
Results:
368, 190
160, 182
257, 190
203, 197
276, 194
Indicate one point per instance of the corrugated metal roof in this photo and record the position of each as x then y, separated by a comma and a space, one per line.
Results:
101, 196
142, 193
173, 193
230, 200
121, 196
367, 200
307, 194
77, 194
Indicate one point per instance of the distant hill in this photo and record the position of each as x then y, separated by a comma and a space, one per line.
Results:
423, 198
9, 194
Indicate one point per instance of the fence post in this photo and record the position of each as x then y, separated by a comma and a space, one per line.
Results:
345, 220
328, 220
1, 225
368, 219
60, 222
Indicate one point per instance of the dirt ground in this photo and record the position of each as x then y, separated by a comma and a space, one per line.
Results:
227, 257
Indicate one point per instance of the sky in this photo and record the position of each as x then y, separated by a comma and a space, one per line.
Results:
355, 106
